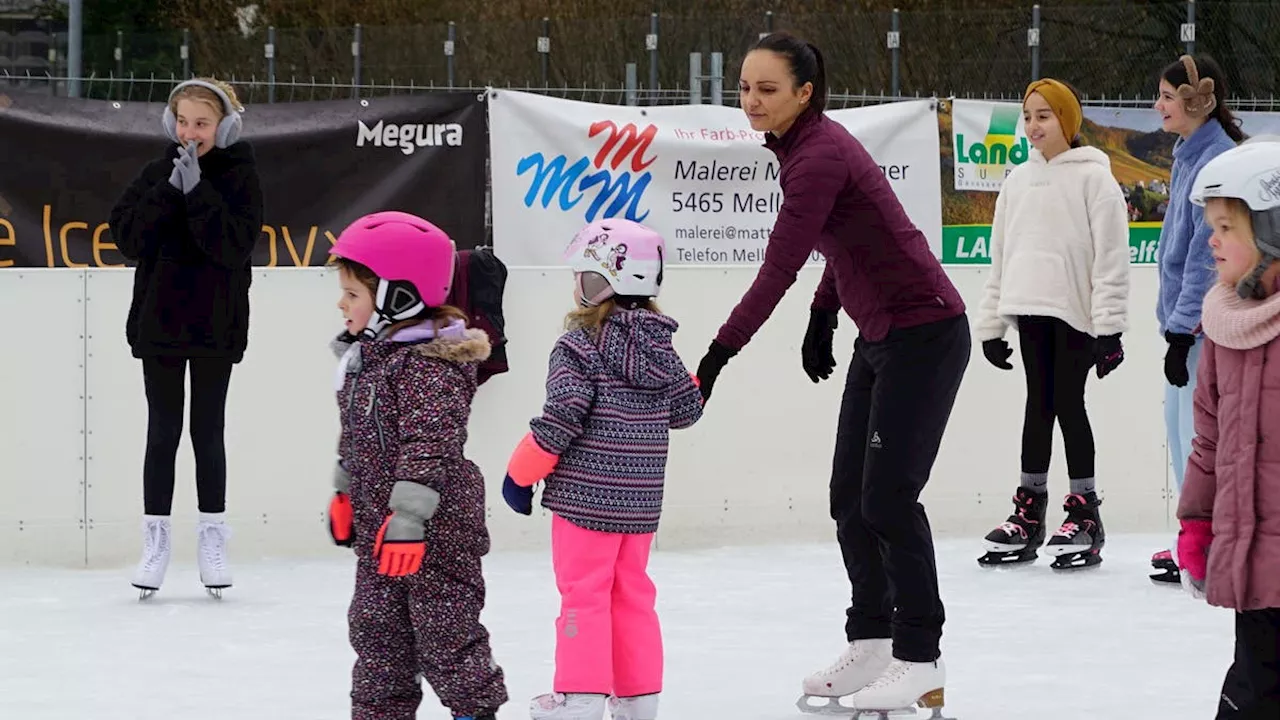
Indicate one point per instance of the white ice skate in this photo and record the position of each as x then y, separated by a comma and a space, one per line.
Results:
640, 707
149, 575
568, 706
861, 663
215, 573
903, 686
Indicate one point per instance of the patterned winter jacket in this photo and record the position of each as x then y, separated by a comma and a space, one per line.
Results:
612, 400
405, 403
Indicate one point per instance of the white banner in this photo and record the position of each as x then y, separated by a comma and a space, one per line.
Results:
988, 142
698, 174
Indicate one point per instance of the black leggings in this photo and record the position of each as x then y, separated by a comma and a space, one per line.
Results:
165, 378
1057, 359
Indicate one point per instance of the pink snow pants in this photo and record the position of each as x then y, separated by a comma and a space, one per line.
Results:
608, 639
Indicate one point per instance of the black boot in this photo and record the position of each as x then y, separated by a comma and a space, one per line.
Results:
1078, 543
1017, 539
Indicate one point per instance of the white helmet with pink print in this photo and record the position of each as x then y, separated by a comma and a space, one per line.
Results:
626, 255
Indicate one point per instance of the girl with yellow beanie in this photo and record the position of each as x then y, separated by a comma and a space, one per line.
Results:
1059, 276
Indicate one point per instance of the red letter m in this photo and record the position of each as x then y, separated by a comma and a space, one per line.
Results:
632, 144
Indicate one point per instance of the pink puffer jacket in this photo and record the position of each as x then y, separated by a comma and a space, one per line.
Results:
1233, 475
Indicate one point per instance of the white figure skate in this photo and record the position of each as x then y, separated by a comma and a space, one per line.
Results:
640, 707
903, 686
858, 666
568, 706
149, 575
212, 534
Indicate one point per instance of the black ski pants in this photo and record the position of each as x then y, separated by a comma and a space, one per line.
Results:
165, 381
897, 401
1251, 690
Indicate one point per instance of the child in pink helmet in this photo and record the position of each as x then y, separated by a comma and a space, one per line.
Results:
615, 389
407, 499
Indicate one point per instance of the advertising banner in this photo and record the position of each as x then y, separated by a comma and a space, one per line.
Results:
698, 174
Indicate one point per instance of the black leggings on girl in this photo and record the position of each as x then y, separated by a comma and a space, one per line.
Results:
1057, 359
165, 379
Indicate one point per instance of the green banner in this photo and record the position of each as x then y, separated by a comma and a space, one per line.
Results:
970, 244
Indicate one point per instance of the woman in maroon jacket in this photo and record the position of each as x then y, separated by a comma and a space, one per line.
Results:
910, 355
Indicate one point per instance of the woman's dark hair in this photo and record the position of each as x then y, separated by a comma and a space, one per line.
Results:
1176, 74
806, 64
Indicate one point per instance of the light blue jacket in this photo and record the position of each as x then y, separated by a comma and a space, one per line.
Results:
1183, 255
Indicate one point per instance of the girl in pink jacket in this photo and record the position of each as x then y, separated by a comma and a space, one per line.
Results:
1229, 543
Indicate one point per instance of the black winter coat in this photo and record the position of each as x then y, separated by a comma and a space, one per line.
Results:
193, 253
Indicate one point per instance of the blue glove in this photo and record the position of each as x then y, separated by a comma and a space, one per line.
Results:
519, 498
186, 170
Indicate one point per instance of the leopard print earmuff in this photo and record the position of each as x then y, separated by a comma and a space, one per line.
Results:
1197, 93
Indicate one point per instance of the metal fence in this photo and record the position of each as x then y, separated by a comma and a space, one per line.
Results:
257, 90
1107, 50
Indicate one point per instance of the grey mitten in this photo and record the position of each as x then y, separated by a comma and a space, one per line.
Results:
401, 544
412, 505
187, 167
341, 515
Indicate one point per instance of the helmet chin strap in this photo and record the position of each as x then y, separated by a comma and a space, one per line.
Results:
394, 302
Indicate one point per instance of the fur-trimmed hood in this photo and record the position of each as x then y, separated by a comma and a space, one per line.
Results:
472, 347
454, 343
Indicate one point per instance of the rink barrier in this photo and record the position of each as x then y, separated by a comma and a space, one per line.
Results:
755, 470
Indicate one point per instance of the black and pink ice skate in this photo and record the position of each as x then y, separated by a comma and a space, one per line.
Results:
1168, 569
1078, 542
1016, 540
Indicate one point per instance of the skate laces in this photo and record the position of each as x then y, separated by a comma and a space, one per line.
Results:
157, 544
1013, 529
213, 545
850, 655
892, 674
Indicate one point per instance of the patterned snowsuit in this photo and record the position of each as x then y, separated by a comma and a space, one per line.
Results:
404, 405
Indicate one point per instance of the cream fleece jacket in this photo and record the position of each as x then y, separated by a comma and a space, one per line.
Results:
1059, 247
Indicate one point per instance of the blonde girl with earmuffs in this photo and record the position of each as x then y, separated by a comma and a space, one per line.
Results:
190, 221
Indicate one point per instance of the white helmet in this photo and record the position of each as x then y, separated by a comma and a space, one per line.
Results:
628, 256
1251, 173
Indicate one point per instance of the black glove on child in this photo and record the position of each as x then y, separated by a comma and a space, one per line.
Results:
1108, 353
997, 353
816, 353
1175, 358
709, 369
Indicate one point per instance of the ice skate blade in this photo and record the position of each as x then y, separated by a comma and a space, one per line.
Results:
833, 708
1166, 580
995, 559
1076, 561
216, 592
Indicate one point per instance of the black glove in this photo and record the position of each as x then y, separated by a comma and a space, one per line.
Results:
997, 353
815, 354
1108, 353
709, 369
1175, 358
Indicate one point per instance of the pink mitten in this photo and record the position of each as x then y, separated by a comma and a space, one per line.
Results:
1193, 548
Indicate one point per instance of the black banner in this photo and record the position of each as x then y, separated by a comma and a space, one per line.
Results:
64, 163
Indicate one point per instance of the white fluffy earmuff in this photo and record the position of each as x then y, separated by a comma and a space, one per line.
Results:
228, 129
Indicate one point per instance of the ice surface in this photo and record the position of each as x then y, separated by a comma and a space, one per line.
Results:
742, 626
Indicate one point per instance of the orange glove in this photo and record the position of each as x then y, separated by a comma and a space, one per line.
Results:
529, 463
397, 558
341, 521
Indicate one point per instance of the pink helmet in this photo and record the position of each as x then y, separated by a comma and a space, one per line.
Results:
412, 258
628, 255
